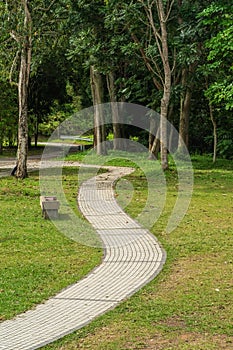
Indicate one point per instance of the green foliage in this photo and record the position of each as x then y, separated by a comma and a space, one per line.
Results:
48, 66
8, 114
69, 36
221, 93
56, 116
218, 19
225, 143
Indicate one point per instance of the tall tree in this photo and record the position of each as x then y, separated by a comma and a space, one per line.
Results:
25, 44
28, 24
97, 96
157, 17
89, 44
217, 20
117, 120
188, 47
48, 85
17, 25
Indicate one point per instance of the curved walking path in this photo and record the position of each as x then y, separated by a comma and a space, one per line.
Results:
132, 258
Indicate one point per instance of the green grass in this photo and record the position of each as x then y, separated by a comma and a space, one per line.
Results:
188, 306
115, 158
36, 259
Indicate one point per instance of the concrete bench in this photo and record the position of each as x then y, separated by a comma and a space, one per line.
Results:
49, 206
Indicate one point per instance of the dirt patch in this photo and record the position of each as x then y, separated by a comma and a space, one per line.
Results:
188, 341
174, 322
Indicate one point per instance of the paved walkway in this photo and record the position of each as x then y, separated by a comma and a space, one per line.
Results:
132, 258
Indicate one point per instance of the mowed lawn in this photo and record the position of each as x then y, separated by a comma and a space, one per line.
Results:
36, 259
188, 306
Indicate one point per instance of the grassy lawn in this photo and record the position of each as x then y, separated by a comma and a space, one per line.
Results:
188, 306
36, 259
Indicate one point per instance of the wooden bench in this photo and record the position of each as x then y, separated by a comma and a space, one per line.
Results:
49, 206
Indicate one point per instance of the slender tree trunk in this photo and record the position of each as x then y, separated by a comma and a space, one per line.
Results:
172, 140
152, 133
166, 86
97, 96
163, 139
36, 121
161, 39
118, 128
214, 131
185, 106
23, 121
154, 139
214, 125
36, 131
24, 74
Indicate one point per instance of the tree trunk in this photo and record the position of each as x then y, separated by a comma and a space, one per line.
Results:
214, 125
214, 131
172, 140
118, 128
97, 96
185, 106
154, 142
29, 141
22, 151
160, 37
152, 133
36, 131
166, 86
24, 73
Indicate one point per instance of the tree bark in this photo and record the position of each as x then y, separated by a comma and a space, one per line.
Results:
166, 86
99, 126
118, 128
172, 139
185, 106
214, 125
36, 131
154, 139
214, 131
152, 133
164, 75
23, 83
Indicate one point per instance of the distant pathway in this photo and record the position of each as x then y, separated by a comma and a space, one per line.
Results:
132, 258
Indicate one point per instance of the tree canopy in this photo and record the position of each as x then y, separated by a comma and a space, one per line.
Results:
174, 56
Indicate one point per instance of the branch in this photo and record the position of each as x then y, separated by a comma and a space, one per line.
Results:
12, 68
157, 36
149, 67
169, 10
46, 9
153, 60
174, 61
159, 75
27, 12
149, 14
28, 17
15, 36
158, 39
152, 23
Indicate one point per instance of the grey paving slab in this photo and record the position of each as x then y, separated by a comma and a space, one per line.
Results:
132, 258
